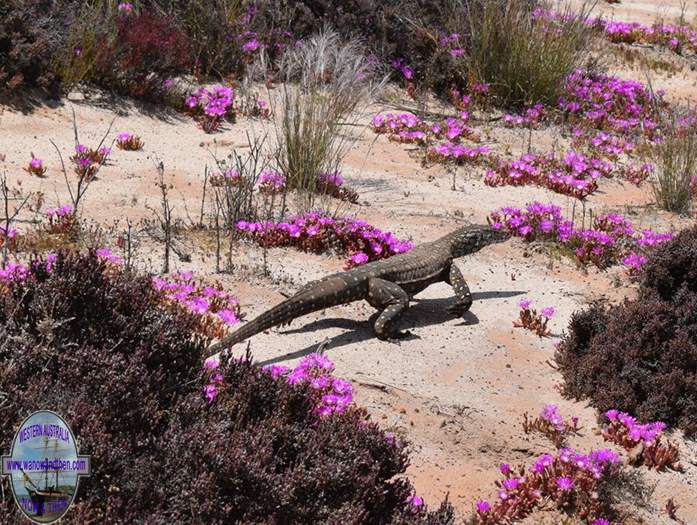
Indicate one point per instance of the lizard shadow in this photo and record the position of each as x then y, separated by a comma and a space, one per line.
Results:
424, 312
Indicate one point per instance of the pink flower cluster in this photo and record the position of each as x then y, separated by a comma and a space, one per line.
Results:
17, 272
271, 182
107, 255
453, 44
400, 65
533, 321
551, 424
61, 211
609, 103
567, 480
574, 174
36, 167
8, 236
673, 36
61, 220
409, 129
7, 233
249, 42
86, 161
532, 117
317, 232
216, 307
226, 177
335, 395
611, 239
258, 108
127, 141
677, 38
332, 184
637, 173
212, 106
602, 143
14, 272
211, 366
644, 441
457, 153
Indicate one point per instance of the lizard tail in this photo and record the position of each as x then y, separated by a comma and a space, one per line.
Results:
284, 312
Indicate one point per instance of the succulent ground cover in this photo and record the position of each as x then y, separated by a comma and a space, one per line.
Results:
317, 232
609, 240
580, 485
612, 121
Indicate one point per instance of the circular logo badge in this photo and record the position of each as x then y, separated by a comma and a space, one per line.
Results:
44, 467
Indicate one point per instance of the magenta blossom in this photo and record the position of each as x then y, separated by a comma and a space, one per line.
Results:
483, 506
549, 312
565, 483
415, 501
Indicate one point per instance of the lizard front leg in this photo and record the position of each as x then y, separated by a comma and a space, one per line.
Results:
391, 300
463, 296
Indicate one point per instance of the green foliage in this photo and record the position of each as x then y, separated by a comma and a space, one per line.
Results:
524, 57
675, 156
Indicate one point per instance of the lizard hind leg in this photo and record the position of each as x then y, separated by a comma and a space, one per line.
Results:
391, 301
463, 296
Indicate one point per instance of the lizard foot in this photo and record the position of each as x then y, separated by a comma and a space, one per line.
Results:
459, 309
395, 337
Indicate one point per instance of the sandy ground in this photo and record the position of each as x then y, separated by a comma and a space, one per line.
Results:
458, 388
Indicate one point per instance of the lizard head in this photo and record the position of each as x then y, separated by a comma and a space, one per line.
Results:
469, 239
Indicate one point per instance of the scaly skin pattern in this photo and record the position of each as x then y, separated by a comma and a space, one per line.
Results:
387, 285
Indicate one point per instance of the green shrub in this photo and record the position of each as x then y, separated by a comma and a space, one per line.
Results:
522, 53
675, 157
330, 79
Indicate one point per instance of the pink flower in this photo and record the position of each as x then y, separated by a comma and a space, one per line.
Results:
359, 258
511, 483
525, 304
548, 312
483, 506
36, 163
228, 316
125, 7
565, 484
251, 46
415, 501
212, 363
276, 370
211, 391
